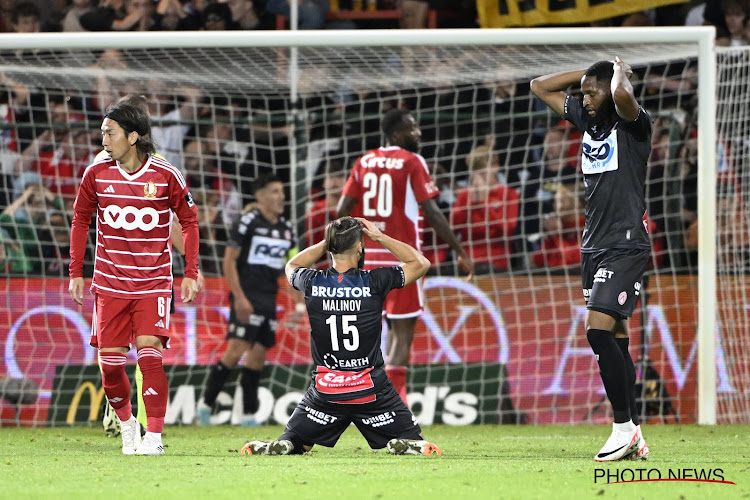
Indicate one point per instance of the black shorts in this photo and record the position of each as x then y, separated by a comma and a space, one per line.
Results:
261, 328
612, 279
317, 421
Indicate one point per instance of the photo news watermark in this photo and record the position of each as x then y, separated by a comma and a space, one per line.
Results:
637, 475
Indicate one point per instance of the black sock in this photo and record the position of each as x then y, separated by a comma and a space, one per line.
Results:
612, 371
623, 344
216, 380
249, 382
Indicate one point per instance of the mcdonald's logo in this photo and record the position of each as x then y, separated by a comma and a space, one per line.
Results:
94, 396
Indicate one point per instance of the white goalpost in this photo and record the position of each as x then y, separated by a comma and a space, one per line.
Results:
297, 102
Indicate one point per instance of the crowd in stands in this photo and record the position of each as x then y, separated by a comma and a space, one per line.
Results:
508, 174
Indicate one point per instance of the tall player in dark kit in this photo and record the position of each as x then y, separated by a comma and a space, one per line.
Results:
615, 249
345, 304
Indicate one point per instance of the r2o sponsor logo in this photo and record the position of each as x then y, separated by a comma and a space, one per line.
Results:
144, 219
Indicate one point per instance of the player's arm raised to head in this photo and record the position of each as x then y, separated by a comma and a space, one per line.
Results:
438, 222
414, 264
306, 258
551, 89
622, 91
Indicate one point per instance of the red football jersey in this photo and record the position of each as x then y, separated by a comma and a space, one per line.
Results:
134, 227
389, 184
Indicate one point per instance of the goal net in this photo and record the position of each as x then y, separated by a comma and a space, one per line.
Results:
508, 346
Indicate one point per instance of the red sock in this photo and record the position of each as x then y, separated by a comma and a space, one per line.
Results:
397, 374
116, 383
155, 387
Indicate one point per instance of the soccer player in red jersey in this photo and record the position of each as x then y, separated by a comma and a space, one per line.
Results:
136, 196
391, 186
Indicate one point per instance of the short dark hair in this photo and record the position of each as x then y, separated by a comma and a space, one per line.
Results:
133, 119
265, 180
602, 70
334, 168
393, 121
342, 234
25, 9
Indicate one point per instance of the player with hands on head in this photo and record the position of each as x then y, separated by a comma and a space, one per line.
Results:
391, 186
344, 304
615, 248
135, 196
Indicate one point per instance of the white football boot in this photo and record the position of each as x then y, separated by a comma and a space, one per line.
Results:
131, 435
619, 445
151, 445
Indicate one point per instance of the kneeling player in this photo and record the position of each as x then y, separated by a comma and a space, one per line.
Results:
344, 304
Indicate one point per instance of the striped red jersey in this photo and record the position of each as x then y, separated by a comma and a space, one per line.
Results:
389, 184
134, 226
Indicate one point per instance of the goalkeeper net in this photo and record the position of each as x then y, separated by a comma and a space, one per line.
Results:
508, 346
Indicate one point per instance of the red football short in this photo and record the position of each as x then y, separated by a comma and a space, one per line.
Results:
406, 302
116, 321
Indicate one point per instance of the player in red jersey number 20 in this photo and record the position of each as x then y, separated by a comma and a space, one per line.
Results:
391, 187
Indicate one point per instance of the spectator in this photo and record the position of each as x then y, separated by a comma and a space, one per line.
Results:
71, 22
59, 159
171, 124
434, 247
22, 221
119, 15
733, 233
7, 7
54, 239
210, 167
312, 13
217, 17
26, 18
169, 14
562, 229
14, 111
193, 19
553, 171
243, 14
486, 214
735, 16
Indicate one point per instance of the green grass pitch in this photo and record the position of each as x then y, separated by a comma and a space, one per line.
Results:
478, 462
